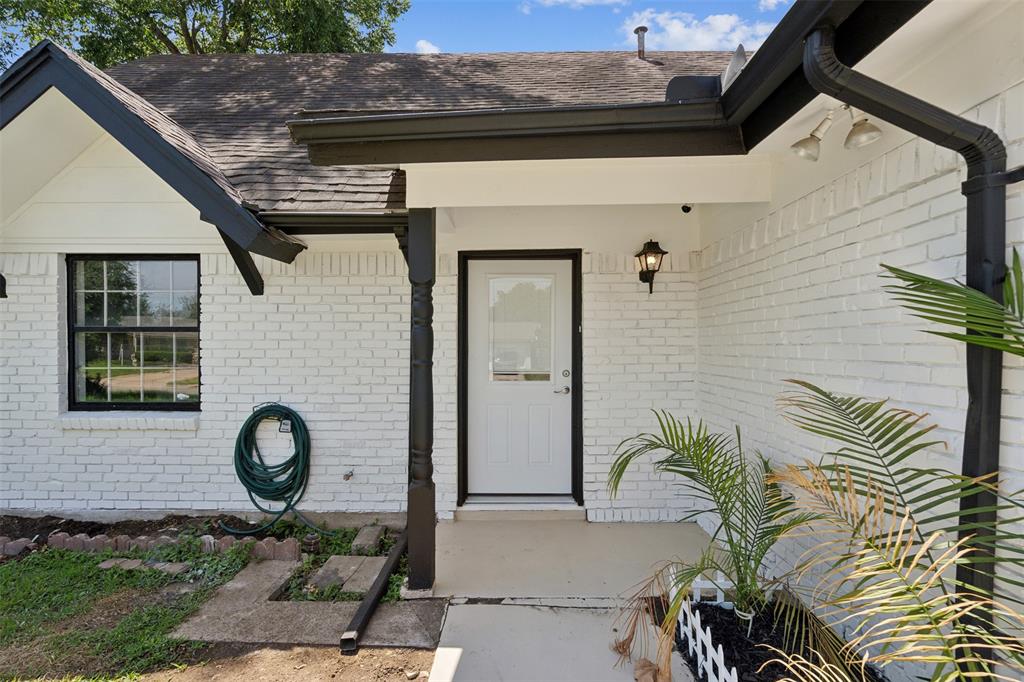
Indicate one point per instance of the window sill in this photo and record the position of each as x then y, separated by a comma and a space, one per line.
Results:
129, 421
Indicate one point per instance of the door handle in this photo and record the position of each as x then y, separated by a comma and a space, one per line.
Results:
564, 390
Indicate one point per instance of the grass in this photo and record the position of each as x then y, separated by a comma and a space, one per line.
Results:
53, 585
56, 584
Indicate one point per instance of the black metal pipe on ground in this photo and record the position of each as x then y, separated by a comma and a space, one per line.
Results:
357, 626
985, 190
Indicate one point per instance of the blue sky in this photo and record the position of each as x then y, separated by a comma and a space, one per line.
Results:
545, 25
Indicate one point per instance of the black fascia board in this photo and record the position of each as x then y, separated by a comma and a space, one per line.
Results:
658, 129
45, 66
297, 223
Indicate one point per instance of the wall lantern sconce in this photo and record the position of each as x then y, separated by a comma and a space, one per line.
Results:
649, 260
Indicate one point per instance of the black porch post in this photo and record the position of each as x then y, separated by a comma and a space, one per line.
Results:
421, 521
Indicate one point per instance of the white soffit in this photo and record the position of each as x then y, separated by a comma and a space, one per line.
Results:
590, 182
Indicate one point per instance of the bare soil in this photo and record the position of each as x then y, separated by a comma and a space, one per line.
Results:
43, 526
269, 664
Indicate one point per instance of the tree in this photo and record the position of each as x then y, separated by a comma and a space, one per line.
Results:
108, 32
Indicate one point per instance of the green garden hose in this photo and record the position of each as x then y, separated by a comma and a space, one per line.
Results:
284, 482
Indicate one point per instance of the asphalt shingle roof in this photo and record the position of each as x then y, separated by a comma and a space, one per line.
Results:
235, 106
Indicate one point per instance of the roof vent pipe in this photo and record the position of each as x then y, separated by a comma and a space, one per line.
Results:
640, 31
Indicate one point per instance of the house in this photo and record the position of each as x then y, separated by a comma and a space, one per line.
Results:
431, 258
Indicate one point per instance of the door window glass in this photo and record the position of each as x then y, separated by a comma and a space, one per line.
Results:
521, 312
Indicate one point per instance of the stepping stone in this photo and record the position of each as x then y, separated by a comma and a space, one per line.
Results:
364, 576
171, 568
336, 571
130, 564
110, 563
16, 547
367, 540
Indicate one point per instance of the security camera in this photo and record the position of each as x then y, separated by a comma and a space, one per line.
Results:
686, 208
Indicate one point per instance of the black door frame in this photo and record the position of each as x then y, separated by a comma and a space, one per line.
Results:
575, 256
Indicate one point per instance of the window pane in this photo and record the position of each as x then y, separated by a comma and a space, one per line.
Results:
122, 276
89, 275
122, 309
155, 309
521, 310
157, 350
155, 275
91, 385
185, 275
91, 349
125, 384
124, 350
184, 309
186, 349
158, 385
89, 309
186, 367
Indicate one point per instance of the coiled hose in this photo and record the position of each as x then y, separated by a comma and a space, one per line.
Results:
284, 482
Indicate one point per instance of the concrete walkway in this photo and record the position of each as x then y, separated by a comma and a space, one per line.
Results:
243, 611
539, 601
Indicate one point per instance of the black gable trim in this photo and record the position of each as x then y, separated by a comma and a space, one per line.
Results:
46, 66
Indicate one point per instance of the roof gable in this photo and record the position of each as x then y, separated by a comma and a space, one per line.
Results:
164, 146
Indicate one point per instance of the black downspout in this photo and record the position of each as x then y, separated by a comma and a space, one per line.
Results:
985, 190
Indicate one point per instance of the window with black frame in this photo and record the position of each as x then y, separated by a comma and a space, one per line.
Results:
133, 332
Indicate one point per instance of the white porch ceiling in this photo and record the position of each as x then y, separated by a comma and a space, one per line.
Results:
591, 182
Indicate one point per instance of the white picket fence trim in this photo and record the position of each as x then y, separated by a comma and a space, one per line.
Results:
710, 659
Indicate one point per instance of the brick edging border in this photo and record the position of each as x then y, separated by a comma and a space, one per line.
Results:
268, 548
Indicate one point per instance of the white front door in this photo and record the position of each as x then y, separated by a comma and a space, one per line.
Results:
519, 363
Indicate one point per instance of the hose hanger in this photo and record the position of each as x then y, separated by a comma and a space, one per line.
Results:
283, 482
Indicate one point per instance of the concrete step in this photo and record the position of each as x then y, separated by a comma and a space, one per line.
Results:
510, 512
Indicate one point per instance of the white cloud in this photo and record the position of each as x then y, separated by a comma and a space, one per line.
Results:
769, 5
527, 6
671, 30
426, 47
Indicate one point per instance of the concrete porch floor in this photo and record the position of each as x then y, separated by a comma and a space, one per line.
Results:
553, 558
538, 600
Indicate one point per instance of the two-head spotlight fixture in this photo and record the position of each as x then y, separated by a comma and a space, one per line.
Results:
862, 133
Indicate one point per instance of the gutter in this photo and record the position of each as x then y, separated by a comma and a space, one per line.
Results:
985, 190
507, 122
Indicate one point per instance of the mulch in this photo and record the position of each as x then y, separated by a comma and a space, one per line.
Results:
748, 654
42, 526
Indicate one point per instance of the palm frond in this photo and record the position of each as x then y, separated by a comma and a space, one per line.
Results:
895, 591
752, 512
986, 321
813, 669
877, 444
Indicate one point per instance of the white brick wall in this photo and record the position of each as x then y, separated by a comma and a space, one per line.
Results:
329, 338
798, 294
639, 354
